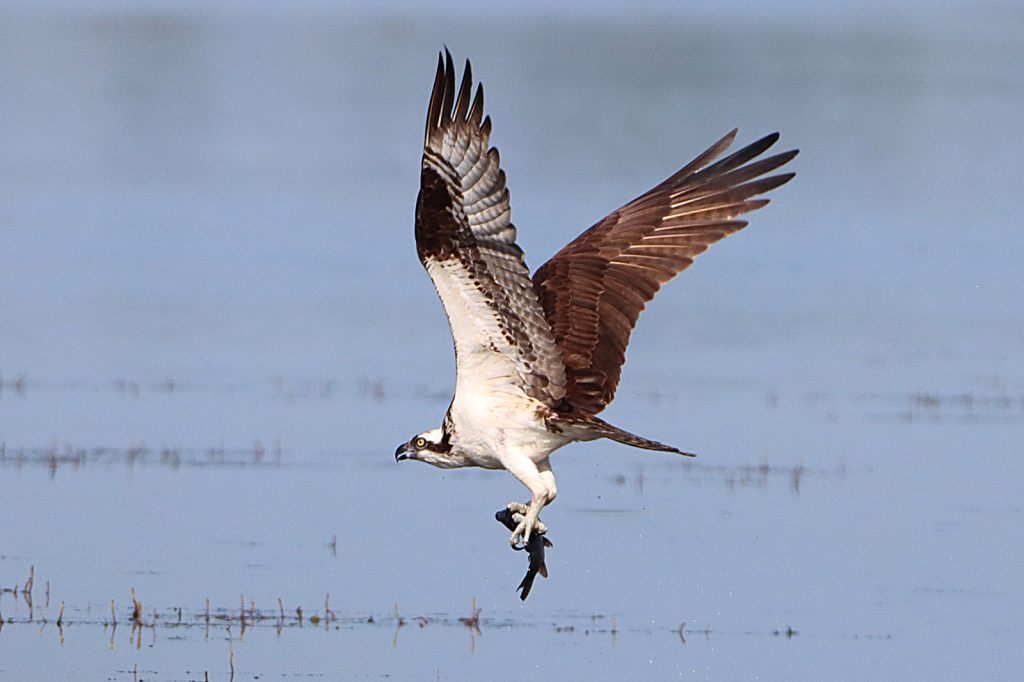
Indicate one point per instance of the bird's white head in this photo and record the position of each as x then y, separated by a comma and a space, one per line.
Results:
431, 447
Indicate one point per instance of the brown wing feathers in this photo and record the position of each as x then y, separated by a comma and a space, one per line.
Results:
593, 290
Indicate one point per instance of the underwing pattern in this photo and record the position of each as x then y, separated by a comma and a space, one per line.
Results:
464, 233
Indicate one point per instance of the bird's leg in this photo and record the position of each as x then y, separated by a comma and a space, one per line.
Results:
541, 483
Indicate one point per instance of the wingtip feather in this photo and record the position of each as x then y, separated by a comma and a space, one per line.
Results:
465, 90
436, 99
449, 89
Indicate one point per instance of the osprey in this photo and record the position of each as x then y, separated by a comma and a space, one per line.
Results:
538, 358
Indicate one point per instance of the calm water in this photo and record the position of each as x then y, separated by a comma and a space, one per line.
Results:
214, 332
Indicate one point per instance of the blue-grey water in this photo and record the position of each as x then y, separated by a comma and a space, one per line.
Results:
214, 332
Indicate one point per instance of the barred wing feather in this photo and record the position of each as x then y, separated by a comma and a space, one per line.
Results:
466, 241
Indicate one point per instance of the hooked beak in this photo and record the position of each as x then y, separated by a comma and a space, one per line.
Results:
404, 452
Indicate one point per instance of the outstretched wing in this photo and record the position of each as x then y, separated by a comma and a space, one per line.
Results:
467, 243
593, 290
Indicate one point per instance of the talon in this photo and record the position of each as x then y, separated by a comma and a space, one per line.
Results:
520, 533
524, 530
526, 525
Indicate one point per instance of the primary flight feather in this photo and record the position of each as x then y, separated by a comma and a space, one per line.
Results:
538, 358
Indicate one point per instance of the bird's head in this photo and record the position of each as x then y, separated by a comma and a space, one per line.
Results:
431, 447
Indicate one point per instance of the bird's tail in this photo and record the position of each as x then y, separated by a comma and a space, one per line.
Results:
589, 427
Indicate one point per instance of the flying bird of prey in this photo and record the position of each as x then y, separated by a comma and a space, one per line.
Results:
538, 358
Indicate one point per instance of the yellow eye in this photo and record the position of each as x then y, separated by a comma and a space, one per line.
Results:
421, 442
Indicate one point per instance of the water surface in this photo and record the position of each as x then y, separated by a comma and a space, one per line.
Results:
214, 333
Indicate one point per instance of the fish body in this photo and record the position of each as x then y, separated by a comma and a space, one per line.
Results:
534, 548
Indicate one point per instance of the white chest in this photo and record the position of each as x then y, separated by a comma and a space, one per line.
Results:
492, 427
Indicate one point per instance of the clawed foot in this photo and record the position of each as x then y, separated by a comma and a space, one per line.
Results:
527, 525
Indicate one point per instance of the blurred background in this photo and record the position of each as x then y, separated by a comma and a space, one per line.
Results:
214, 332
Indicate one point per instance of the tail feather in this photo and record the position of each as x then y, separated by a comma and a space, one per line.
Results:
589, 427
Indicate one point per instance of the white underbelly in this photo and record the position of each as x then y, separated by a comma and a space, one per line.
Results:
494, 426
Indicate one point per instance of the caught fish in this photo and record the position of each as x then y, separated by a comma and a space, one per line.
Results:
535, 549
